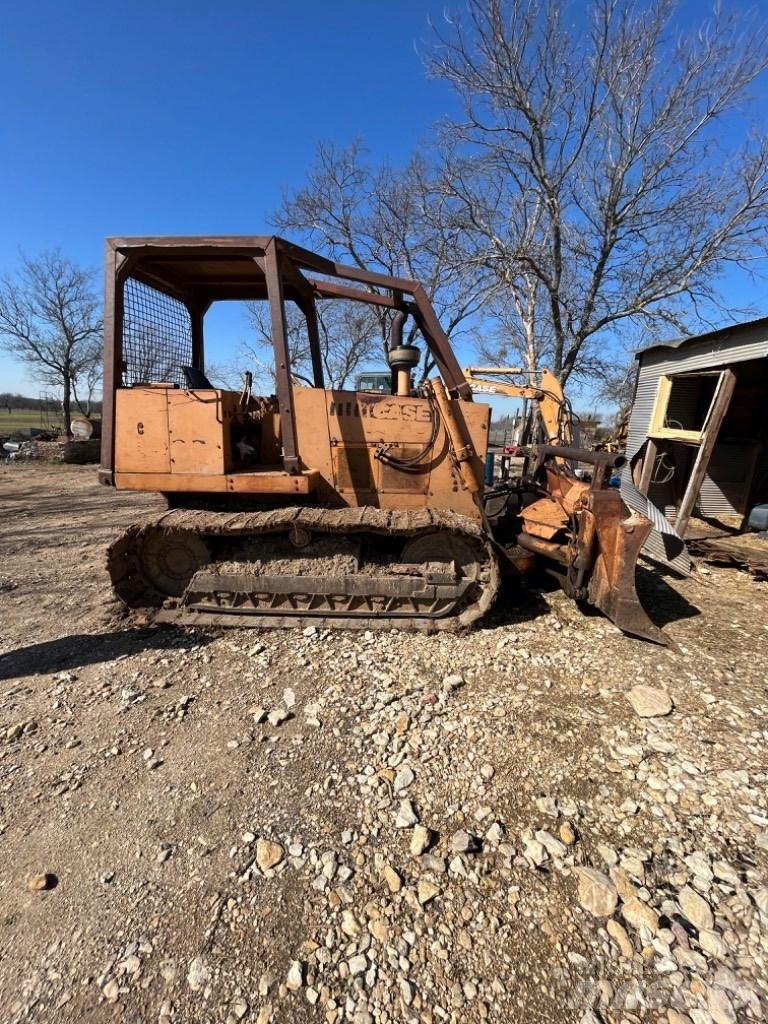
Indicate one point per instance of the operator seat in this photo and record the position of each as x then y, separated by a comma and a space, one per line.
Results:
195, 379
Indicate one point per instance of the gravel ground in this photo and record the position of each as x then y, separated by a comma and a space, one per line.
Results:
538, 820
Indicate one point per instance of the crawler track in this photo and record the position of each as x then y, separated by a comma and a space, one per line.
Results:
359, 568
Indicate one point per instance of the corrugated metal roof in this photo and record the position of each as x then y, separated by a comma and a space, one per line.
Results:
721, 334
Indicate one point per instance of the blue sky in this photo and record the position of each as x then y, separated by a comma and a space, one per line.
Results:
193, 117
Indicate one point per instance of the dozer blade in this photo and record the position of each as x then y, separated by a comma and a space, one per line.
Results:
619, 540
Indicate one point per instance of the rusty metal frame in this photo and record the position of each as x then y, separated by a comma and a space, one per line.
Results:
282, 265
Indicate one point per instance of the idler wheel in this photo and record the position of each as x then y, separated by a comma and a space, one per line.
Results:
170, 560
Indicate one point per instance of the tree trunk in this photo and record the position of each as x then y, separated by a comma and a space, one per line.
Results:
66, 407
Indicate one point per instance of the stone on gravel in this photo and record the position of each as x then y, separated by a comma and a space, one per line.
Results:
421, 840
357, 965
278, 716
426, 891
295, 978
712, 943
464, 842
620, 937
198, 974
637, 913
597, 893
350, 925
40, 882
534, 852
695, 909
567, 833
111, 990
268, 854
392, 878
452, 682
406, 815
403, 779
239, 1009
649, 701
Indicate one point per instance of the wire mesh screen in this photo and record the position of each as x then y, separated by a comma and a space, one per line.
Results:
157, 335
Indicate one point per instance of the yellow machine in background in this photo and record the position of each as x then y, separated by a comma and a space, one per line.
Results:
547, 392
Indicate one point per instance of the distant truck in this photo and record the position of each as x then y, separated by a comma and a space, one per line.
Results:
381, 383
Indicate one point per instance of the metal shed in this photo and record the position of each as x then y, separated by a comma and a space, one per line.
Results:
698, 433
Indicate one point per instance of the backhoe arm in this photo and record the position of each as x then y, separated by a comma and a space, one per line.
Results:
548, 393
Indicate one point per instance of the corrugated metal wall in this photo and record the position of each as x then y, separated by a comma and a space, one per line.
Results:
720, 491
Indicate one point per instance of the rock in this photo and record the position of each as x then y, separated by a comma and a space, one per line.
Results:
111, 990
268, 854
553, 846
695, 909
597, 893
464, 842
45, 880
295, 978
677, 1017
198, 974
434, 864
534, 852
239, 1009
393, 879
637, 913
259, 714
421, 840
723, 870
403, 779
567, 833
649, 701
495, 833
278, 716
620, 937
712, 943
131, 965
721, 1007
406, 992
452, 682
289, 698
357, 965
760, 896
426, 891
349, 924
406, 815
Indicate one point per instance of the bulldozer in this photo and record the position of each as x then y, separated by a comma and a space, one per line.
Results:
315, 505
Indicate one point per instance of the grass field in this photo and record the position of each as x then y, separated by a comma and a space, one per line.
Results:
21, 420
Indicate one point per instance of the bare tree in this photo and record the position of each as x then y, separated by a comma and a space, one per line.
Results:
587, 173
381, 218
50, 318
349, 335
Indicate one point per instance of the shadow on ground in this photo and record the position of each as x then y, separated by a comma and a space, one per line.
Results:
79, 649
518, 600
522, 600
662, 602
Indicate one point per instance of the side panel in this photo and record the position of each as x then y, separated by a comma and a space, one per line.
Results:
340, 432
141, 435
196, 431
